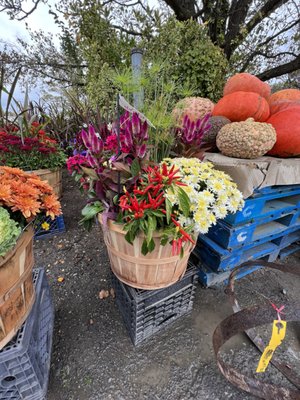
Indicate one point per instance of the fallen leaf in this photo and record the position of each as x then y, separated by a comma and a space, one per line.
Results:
103, 294
60, 279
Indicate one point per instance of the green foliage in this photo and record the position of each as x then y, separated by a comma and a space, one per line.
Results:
33, 160
102, 46
9, 232
161, 93
89, 213
191, 59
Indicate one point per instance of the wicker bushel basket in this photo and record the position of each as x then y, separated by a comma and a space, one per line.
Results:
16, 286
156, 270
54, 178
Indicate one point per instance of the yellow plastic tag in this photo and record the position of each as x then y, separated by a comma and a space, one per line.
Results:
278, 334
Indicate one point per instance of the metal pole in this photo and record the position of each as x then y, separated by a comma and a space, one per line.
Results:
136, 62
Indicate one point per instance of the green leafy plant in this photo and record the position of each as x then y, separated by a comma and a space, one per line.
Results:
9, 232
189, 56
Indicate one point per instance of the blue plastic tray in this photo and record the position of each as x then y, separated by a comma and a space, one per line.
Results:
56, 226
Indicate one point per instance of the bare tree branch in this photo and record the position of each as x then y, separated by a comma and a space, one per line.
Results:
237, 15
280, 70
268, 40
265, 11
129, 31
15, 8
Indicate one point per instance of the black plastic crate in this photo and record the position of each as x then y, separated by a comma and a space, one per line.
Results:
146, 312
25, 360
55, 226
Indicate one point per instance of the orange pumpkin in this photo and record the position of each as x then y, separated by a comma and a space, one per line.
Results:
282, 105
286, 94
239, 106
287, 126
245, 82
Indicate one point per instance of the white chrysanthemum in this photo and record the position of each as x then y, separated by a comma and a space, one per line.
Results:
212, 193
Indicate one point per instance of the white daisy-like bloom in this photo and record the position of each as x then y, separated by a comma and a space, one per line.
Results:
212, 193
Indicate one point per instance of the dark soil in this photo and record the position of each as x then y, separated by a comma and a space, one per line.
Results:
93, 357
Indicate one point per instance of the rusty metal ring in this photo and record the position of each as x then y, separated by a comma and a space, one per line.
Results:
239, 322
246, 320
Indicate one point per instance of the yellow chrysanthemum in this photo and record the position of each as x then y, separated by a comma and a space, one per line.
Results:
45, 226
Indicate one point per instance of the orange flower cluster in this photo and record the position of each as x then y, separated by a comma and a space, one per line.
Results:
21, 191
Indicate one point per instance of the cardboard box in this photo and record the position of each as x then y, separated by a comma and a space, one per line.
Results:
257, 173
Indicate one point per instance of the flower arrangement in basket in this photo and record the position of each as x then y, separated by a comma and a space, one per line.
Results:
151, 213
29, 148
23, 197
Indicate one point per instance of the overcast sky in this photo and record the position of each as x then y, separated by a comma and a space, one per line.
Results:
40, 19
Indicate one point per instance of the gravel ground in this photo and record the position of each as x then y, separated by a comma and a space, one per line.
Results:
93, 357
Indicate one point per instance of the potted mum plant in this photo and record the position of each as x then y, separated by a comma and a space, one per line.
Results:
23, 197
32, 149
151, 213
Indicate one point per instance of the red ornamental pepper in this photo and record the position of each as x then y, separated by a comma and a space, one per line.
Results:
157, 189
183, 232
139, 214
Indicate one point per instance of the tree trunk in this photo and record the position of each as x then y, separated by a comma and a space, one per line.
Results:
183, 9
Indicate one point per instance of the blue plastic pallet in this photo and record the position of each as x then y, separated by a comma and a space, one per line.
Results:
219, 259
25, 360
267, 251
289, 250
276, 189
264, 205
288, 239
56, 226
215, 262
209, 278
232, 237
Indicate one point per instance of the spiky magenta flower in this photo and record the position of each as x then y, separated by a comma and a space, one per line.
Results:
191, 132
92, 141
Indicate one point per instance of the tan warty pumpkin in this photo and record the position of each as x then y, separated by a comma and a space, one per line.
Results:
194, 107
247, 139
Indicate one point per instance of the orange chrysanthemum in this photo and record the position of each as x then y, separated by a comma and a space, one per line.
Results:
25, 190
12, 171
28, 206
40, 185
5, 192
52, 206
21, 191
